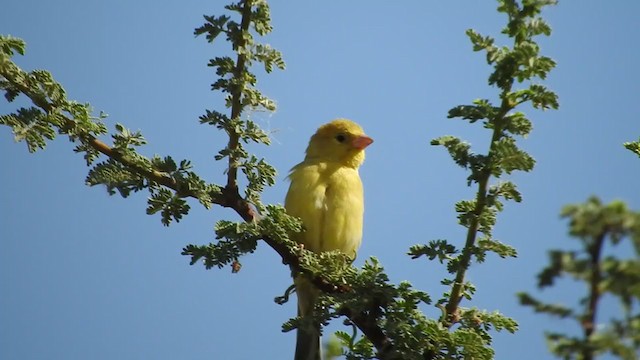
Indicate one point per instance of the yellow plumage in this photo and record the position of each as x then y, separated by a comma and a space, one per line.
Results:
326, 193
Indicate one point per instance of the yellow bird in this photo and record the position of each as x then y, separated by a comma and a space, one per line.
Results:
326, 193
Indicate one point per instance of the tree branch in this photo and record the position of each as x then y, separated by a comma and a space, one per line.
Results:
589, 321
230, 198
366, 323
481, 202
154, 176
237, 106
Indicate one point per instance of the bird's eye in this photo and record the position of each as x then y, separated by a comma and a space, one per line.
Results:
341, 138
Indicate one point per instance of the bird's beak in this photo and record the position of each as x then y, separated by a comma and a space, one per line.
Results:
361, 142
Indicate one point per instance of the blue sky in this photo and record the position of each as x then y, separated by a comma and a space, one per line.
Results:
85, 275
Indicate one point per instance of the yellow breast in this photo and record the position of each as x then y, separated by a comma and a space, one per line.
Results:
328, 198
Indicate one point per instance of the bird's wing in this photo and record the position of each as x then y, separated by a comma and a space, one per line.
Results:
306, 199
345, 209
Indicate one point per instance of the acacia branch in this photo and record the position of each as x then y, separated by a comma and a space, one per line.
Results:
589, 320
455, 297
366, 323
152, 175
228, 197
236, 103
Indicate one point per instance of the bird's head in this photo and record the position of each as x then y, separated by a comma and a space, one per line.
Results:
341, 140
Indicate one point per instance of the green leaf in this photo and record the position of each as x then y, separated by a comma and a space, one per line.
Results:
270, 57
482, 109
508, 157
440, 249
540, 307
30, 125
212, 27
224, 65
115, 176
10, 45
125, 138
466, 210
538, 26
215, 118
166, 164
541, 98
170, 206
633, 147
503, 250
459, 150
479, 42
559, 262
507, 190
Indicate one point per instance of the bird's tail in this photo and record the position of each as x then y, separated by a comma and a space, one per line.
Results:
308, 334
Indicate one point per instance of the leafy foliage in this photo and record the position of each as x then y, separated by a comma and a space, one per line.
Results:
239, 238
235, 79
595, 225
519, 64
125, 170
52, 111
